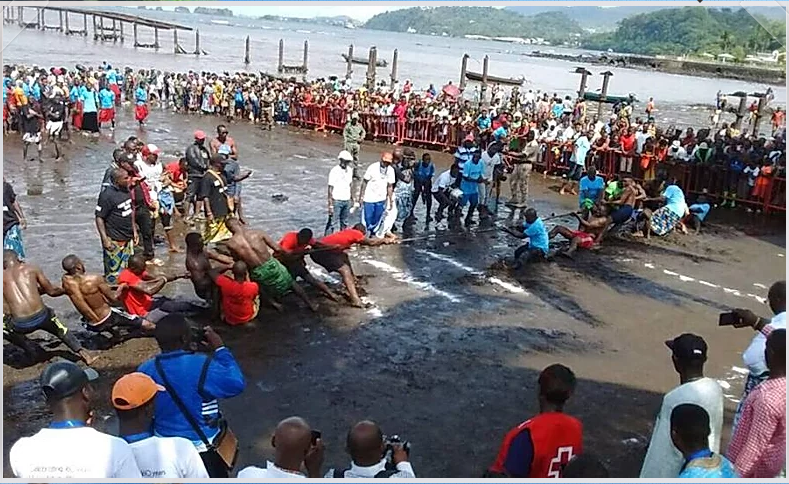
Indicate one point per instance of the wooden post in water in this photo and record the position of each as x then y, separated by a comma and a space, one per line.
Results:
584, 77
121, 30
156, 38
246, 51
101, 27
40, 17
306, 56
85, 24
134, 28
20, 15
349, 63
483, 90
742, 109
463, 68
281, 56
393, 76
114, 31
175, 41
197, 42
603, 93
759, 114
95, 35
60, 20
371, 60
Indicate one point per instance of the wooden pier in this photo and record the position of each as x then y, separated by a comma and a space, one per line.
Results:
107, 26
283, 68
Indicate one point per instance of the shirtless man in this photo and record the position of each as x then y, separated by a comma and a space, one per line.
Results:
198, 264
23, 309
94, 299
579, 239
252, 247
631, 195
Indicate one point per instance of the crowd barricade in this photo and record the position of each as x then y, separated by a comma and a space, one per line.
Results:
715, 181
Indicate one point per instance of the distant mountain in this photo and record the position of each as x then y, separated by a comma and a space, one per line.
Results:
487, 21
602, 19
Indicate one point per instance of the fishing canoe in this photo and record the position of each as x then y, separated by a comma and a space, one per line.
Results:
510, 81
595, 97
363, 61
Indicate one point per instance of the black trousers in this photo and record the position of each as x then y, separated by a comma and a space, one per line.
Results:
214, 465
145, 225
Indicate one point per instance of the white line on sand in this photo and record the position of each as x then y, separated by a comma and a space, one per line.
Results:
760, 286
407, 278
495, 280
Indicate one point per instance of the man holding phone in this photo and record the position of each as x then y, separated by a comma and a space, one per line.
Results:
753, 357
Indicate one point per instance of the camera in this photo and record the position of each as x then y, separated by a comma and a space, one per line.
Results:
197, 338
390, 442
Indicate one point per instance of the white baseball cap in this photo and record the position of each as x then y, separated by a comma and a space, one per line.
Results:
345, 155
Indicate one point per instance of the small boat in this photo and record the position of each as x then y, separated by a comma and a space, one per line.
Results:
362, 60
510, 81
595, 97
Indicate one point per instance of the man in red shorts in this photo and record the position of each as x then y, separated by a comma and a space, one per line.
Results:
578, 239
540, 447
329, 253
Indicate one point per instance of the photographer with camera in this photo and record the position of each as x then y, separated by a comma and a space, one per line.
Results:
373, 455
197, 370
753, 357
296, 445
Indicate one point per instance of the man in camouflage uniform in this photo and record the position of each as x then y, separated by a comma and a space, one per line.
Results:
353, 135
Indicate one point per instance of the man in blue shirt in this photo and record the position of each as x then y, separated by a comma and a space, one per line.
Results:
663, 220
196, 379
537, 246
141, 103
471, 177
591, 190
698, 212
483, 121
690, 431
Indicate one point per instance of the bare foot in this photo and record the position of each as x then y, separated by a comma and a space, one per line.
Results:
176, 250
357, 303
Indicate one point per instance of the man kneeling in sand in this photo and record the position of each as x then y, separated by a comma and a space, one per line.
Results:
93, 298
252, 247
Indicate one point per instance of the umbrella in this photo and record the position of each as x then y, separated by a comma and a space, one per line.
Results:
451, 90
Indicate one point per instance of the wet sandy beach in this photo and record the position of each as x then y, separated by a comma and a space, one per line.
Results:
448, 354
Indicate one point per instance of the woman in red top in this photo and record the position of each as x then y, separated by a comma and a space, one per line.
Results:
627, 144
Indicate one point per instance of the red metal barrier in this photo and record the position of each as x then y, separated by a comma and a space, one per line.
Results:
776, 195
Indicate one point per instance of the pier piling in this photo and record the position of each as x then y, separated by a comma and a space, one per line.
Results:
246, 51
349, 66
393, 76
483, 90
742, 110
281, 57
584, 77
306, 56
197, 42
134, 29
372, 58
156, 38
463, 68
604, 92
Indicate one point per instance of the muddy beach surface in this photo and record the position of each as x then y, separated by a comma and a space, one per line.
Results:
448, 353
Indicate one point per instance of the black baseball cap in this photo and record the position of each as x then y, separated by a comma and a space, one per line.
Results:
688, 347
64, 378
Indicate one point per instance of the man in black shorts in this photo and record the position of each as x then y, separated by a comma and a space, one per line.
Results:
329, 253
94, 299
197, 158
24, 311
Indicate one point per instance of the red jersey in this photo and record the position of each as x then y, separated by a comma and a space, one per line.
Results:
175, 171
552, 439
290, 242
343, 238
239, 299
135, 302
628, 142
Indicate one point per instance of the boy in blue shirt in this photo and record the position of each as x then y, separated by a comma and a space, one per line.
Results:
690, 431
537, 246
471, 177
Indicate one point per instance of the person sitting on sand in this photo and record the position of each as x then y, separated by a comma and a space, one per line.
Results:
252, 247
140, 290
24, 311
329, 253
240, 296
199, 267
92, 297
537, 246
664, 219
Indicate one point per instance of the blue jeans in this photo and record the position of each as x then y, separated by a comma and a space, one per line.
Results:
342, 208
373, 212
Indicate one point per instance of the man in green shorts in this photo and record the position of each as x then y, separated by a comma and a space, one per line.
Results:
252, 247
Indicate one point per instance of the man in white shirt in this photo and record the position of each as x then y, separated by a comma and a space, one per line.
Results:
69, 448
490, 159
157, 457
442, 192
294, 444
689, 353
340, 180
369, 452
377, 191
753, 357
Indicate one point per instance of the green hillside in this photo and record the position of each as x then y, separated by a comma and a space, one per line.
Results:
492, 22
692, 30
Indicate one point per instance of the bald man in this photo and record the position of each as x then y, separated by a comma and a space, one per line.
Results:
294, 443
366, 446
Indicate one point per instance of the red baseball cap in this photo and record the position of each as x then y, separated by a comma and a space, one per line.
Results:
199, 134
